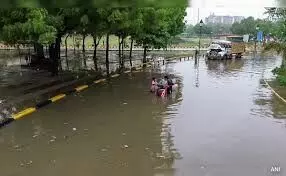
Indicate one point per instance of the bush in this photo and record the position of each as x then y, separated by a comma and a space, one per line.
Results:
281, 75
282, 80
279, 71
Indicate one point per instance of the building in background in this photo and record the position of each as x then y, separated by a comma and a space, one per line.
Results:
223, 19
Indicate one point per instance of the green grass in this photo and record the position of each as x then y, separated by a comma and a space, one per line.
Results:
276, 85
113, 41
192, 42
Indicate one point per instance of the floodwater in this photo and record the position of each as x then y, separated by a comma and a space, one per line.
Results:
221, 121
16, 80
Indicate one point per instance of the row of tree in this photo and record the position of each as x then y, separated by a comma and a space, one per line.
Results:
207, 29
279, 16
246, 26
149, 27
251, 25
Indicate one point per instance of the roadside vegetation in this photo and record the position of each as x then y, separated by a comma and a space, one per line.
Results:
279, 46
148, 27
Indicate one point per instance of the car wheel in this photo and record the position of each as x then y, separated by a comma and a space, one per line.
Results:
224, 57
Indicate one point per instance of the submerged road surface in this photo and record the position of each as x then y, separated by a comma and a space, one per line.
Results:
222, 121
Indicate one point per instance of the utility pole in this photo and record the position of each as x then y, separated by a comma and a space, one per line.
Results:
201, 25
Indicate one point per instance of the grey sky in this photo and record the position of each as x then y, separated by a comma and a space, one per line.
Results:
245, 8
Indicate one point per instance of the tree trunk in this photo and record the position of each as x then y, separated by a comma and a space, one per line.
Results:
39, 49
107, 54
73, 43
47, 49
83, 50
54, 53
145, 53
53, 65
58, 51
122, 53
29, 53
66, 54
94, 53
119, 51
66, 44
130, 54
83, 43
19, 52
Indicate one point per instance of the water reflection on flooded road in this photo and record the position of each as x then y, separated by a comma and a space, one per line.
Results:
222, 121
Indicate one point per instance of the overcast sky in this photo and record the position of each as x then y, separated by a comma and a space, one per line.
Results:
245, 8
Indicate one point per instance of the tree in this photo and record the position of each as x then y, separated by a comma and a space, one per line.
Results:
96, 29
150, 27
83, 30
27, 26
279, 14
220, 28
189, 30
176, 25
136, 21
120, 24
156, 30
153, 31
246, 26
205, 29
92, 3
65, 21
280, 45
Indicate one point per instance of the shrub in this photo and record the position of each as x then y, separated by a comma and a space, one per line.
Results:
281, 75
282, 80
279, 71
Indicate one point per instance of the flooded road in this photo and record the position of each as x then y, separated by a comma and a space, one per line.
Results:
221, 121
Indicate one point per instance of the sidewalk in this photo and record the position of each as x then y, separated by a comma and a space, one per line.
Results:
30, 84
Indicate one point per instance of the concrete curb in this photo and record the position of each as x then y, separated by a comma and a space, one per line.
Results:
280, 97
61, 96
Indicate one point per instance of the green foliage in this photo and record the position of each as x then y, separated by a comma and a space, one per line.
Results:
31, 27
279, 47
207, 29
119, 22
279, 16
189, 30
92, 3
249, 25
246, 26
281, 75
282, 80
150, 27
279, 71
159, 25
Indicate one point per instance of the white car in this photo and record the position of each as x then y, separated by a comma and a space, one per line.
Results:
215, 51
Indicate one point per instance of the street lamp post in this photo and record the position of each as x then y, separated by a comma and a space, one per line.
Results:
198, 52
201, 25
